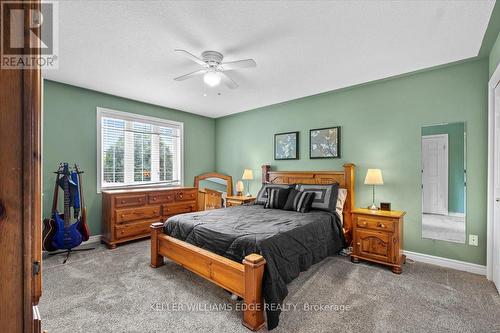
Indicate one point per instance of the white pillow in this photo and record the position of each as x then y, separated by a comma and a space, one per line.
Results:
340, 203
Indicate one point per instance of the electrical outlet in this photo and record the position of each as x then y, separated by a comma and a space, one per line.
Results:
473, 239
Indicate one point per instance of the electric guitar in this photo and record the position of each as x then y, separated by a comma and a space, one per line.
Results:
61, 233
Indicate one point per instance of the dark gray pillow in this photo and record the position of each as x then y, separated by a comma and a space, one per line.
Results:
276, 197
325, 197
299, 201
262, 195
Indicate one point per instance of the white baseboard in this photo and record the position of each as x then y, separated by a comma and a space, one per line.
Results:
93, 240
456, 214
445, 262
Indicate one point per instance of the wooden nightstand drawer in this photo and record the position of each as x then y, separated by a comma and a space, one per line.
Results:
238, 200
374, 223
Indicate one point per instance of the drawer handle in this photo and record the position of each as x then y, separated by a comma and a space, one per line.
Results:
363, 224
122, 215
123, 201
154, 198
381, 225
140, 200
358, 244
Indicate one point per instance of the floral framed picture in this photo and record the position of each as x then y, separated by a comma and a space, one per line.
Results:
286, 146
324, 142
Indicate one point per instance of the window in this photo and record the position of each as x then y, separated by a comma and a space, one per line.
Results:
138, 150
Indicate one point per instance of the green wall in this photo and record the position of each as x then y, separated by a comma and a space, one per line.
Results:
456, 167
70, 134
381, 125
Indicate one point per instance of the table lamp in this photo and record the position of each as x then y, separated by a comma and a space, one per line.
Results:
248, 175
374, 177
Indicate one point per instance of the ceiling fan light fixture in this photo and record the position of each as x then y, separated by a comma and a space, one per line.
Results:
212, 78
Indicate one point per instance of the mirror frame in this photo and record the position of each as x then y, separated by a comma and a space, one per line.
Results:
228, 179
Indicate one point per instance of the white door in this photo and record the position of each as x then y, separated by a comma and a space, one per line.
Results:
496, 210
435, 174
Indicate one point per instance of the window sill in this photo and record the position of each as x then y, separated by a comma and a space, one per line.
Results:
138, 187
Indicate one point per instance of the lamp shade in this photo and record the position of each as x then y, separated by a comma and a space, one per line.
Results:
374, 177
247, 174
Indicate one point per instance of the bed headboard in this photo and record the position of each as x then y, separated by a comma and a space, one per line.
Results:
345, 178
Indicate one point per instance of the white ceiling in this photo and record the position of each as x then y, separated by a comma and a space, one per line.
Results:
302, 48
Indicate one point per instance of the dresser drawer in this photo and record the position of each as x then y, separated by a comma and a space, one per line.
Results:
374, 223
133, 214
373, 245
186, 195
134, 229
162, 197
179, 208
130, 200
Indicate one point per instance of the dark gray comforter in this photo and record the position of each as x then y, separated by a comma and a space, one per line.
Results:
289, 241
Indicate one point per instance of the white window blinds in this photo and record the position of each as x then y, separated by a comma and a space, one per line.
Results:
138, 150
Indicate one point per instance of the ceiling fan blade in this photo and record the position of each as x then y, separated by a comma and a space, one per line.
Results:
246, 63
192, 57
228, 81
187, 76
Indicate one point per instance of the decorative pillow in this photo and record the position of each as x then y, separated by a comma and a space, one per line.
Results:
326, 195
299, 201
262, 195
276, 197
340, 203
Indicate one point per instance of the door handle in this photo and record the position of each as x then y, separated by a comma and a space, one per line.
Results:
497, 199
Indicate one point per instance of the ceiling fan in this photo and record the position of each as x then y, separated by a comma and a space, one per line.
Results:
213, 70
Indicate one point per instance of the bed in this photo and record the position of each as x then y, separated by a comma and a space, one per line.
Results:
252, 251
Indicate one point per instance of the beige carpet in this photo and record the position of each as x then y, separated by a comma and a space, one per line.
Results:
117, 291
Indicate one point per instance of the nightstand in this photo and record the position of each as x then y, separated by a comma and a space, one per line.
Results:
238, 200
378, 237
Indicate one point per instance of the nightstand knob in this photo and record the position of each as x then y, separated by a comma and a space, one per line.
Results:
358, 244
381, 225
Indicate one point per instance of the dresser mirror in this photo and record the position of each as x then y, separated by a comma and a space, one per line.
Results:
213, 189
444, 182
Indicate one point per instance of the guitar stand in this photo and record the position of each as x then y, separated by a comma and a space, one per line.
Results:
68, 252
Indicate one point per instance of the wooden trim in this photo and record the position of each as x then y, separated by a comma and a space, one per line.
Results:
228, 179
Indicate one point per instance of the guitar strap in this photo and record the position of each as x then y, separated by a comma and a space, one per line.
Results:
56, 192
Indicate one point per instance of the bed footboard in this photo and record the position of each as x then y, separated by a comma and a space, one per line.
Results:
244, 280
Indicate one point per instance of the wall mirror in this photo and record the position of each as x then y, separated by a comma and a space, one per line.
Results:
213, 188
444, 182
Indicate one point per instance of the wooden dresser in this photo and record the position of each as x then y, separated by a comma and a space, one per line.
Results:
378, 237
127, 214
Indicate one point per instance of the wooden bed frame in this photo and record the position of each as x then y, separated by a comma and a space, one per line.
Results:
245, 279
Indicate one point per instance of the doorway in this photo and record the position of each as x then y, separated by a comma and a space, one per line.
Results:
435, 174
493, 244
